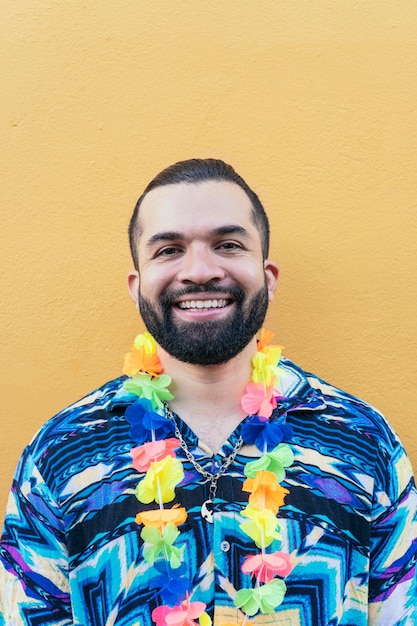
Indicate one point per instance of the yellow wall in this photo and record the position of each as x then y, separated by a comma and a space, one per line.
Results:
314, 102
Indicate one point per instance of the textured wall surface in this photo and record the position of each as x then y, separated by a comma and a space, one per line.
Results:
313, 102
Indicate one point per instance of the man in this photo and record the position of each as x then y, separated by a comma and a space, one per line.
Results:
210, 484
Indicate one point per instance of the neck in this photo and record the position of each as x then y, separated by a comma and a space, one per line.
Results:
208, 398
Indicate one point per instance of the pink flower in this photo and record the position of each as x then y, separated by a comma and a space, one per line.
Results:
258, 399
180, 615
153, 451
265, 566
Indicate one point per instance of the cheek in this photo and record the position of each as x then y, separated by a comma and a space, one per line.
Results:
153, 282
251, 278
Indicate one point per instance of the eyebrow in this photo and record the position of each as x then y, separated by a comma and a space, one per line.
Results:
172, 235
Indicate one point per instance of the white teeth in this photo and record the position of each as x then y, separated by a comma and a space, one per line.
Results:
202, 304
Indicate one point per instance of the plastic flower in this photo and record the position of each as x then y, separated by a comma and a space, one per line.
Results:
172, 584
265, 369
181, 615
264, 567
281, 456
258, 399
264, 599
146, 341
161, 543
263, 433
143, 356
138, 360
205, 619
155, 454
150, 388
262, 527
160, 481
153, 451
265, 337
265, 492
144, 420
159, 518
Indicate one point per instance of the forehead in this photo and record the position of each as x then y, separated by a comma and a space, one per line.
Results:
195, 206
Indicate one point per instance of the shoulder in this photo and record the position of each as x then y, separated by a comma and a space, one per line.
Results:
352, 429
338, 405
342, 435
81, 423
346, 422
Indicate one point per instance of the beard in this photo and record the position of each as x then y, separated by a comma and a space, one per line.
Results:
207, 342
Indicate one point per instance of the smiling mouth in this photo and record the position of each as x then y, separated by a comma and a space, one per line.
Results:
203, 304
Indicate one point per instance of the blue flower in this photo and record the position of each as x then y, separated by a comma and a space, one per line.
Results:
143, 419
265, 434
173, 584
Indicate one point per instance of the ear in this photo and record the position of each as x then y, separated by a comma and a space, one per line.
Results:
271, 270
133, 283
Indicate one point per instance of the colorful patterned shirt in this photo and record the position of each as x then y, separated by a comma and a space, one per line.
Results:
71, 551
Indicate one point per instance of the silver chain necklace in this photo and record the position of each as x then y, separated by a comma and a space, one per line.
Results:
207, 506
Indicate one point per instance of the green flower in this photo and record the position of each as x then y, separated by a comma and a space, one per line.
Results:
265, 598
275, 461
150, 387
157, 543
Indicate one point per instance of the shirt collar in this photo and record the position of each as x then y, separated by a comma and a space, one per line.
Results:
297, 389
300, 390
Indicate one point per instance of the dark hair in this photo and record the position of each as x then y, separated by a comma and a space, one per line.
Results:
198, 171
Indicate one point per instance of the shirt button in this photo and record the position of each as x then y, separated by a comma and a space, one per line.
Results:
225, 546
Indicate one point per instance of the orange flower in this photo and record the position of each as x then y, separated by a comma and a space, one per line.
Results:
265, 336
157, 518
265, 491
141, 360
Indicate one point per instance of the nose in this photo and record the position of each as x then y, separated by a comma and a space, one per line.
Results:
200, 265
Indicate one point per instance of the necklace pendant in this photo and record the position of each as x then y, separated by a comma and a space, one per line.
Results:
206, 511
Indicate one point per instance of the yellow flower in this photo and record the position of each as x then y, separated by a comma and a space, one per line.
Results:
160, 481
262, 527
205, 619
264, 364
147, 341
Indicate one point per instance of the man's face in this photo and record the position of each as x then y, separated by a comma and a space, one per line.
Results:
202, 286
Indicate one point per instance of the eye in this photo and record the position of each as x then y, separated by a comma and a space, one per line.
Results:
229, 245
168, 251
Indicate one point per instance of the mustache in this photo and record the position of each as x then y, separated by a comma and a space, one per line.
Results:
169, 296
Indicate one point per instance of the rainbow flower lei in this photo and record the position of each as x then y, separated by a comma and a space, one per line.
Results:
155, 457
